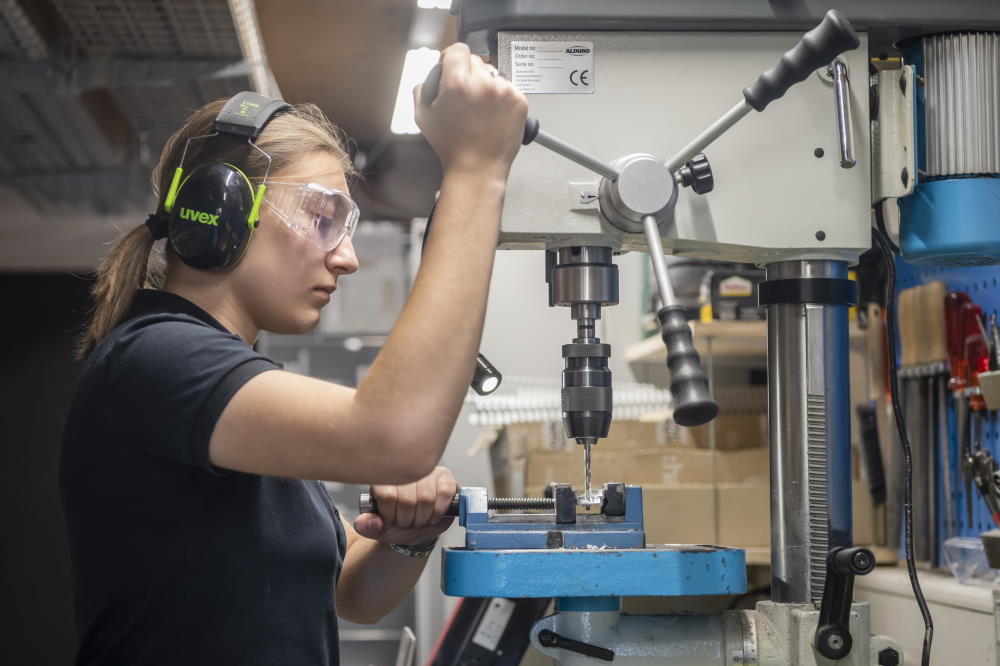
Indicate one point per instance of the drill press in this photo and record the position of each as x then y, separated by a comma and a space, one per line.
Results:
792, 193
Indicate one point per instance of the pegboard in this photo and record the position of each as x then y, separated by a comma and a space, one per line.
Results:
982, 283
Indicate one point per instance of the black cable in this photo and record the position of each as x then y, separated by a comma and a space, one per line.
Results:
880, 239
880, 223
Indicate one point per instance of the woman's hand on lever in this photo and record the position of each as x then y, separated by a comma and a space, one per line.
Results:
410, 514
477, 119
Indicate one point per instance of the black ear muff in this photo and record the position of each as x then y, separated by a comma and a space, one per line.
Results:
211, 217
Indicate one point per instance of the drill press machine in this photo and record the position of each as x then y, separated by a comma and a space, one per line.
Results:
789, 189
591, 551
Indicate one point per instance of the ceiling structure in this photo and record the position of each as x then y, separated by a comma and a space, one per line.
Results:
95, 87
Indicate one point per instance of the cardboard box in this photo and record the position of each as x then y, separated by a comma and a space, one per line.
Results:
520, 439
515, 448
686, 514
733, 431
663, 465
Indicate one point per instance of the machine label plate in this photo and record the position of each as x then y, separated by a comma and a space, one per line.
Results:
552, 67
493, 624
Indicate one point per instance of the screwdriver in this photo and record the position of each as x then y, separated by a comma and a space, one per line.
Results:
975, 359
954, 303
953, 332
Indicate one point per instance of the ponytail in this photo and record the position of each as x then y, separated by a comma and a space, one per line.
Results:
120, 273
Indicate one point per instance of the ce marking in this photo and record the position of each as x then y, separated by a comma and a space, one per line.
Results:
579, 75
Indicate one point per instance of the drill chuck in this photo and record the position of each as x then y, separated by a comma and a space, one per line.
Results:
586, 392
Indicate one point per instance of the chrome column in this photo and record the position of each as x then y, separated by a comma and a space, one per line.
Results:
809, 424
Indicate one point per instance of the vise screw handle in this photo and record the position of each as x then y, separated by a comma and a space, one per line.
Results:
368, 504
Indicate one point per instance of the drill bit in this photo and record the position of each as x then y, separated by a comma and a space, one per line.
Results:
587, 443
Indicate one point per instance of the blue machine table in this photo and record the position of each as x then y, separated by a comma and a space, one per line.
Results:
589, 573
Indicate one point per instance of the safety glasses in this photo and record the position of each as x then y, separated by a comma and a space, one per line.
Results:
322, 216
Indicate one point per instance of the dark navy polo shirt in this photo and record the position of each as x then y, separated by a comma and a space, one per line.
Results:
177, 562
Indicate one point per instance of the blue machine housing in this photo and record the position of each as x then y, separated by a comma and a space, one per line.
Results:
952, 221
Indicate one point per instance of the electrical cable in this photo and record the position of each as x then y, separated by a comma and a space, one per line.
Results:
883, 243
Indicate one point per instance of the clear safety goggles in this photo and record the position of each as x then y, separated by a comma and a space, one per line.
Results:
322, 216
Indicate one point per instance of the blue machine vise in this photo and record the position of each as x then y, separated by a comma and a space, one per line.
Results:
615, 523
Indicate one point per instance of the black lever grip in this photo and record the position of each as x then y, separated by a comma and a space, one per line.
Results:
549, 638
429, 89
693, 403
818, 47
429, 93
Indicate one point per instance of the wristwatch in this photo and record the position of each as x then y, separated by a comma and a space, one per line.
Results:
420, 550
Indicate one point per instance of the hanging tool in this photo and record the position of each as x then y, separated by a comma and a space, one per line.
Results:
936, 349
975, 359
984, 473
954, 303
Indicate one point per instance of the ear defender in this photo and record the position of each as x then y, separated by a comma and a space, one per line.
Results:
213, 211
212, 215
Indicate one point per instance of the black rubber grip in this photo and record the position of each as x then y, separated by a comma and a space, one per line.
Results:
429, 93
549, 638
429, 89
818, 47
453, 508
693, 403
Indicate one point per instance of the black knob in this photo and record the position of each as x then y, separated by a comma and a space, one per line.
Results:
697, 174
852, 561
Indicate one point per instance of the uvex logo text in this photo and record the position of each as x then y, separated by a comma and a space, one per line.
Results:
198, 216
577, 50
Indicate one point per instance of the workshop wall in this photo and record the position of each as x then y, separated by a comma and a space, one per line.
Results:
42, 315
982, 283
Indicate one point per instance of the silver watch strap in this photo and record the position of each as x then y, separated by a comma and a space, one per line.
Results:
420, 550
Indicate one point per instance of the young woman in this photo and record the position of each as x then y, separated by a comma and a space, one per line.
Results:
198, 532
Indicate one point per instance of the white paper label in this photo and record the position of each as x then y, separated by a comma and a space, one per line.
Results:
493, 624
553, 67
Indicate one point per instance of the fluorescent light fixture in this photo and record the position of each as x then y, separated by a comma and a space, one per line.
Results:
417, 65
434, 4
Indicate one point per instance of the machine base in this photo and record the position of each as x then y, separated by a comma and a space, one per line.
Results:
772, 635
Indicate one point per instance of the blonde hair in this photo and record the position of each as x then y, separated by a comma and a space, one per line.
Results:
288, 137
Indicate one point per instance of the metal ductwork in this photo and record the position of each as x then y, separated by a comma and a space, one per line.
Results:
95, 87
